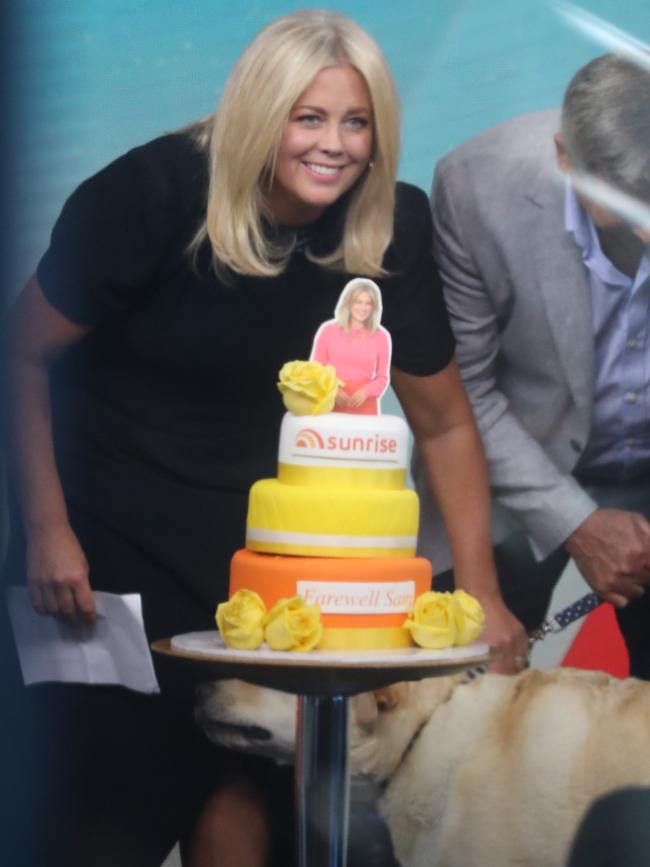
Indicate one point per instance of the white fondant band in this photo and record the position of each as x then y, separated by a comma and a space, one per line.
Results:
338, 541
377, 441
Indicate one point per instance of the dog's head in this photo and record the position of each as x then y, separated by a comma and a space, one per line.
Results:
263, 721
250, 718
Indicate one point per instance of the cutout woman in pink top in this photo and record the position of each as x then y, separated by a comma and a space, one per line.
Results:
357, 346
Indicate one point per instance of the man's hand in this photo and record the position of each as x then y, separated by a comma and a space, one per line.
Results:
611, 548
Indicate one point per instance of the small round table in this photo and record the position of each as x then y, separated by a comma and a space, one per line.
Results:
323, 682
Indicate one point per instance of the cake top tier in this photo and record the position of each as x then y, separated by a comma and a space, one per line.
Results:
377, 442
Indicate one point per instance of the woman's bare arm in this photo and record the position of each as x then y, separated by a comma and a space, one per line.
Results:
57, 570
442, 422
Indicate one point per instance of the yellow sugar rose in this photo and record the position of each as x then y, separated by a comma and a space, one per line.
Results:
240, 620
308, 387
293, 625
432, 623
470, 617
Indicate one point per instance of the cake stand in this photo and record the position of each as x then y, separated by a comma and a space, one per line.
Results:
323, 682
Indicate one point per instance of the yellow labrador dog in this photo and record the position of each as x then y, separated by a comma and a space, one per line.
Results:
492, 771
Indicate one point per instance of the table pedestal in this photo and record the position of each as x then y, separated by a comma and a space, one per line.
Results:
322, 780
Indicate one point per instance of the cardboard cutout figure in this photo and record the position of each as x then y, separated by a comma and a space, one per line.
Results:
358, 347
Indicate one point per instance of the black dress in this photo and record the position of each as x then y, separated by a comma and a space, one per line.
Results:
168, 411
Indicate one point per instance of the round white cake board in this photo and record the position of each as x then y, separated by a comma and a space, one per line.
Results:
211, 645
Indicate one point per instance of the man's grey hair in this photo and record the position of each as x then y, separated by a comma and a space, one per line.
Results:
606, 123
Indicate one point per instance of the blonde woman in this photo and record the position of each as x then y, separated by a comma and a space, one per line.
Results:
143, 358
358, 347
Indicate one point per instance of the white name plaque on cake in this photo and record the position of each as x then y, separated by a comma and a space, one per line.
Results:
360, 597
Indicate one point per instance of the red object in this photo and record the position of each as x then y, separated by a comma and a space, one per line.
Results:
599, 644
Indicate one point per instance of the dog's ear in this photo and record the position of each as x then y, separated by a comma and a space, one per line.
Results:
391, 696
368, 705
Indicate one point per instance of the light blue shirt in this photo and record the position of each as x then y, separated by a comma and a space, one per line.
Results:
619, 442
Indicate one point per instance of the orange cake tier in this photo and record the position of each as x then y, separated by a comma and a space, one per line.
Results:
363, 602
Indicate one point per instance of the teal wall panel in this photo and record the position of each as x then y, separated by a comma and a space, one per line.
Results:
91, 78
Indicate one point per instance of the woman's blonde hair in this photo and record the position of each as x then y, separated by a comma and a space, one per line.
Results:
350, 294
276, 67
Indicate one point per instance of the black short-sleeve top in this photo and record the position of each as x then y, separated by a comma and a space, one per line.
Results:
177, 379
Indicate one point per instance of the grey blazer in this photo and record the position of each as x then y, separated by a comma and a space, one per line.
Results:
520, 306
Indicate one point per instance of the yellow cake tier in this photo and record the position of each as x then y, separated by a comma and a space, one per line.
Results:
341, 476
330, 521
363, 602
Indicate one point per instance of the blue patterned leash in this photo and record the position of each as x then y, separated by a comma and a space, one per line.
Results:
563, 618
552, 626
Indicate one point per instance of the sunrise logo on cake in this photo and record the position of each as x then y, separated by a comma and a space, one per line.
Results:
340, 440
358, 447
309, 439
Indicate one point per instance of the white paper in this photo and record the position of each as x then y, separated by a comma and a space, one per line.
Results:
115, 650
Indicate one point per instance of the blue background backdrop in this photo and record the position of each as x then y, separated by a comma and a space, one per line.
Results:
91, 78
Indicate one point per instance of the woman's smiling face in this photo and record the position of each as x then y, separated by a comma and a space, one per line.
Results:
361, 308
325, 148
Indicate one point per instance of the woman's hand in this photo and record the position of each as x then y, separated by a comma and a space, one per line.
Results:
506, 637
57, 575
342, 398
357, 399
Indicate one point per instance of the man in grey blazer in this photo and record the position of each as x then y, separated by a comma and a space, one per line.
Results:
547, 280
